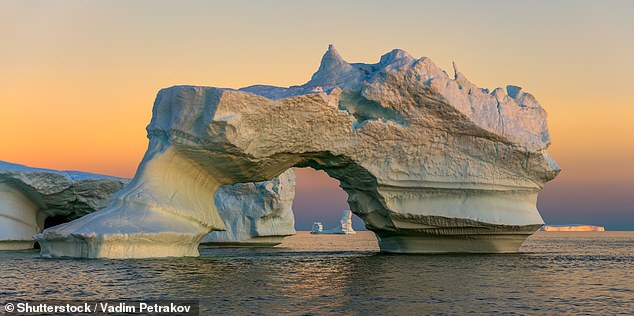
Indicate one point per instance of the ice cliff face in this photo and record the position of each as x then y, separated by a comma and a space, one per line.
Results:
431, 163
30, 196
257, 213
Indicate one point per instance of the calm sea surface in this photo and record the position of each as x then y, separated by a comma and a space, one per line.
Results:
555, 273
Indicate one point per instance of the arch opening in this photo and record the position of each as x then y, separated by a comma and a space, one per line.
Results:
319, 198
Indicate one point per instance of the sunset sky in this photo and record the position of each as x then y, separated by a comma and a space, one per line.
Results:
78, 78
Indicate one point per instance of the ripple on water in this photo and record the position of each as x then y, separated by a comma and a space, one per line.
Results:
568, 273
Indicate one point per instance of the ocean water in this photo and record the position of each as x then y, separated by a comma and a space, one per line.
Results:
555, 273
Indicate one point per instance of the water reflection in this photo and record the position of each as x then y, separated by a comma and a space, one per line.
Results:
554, 274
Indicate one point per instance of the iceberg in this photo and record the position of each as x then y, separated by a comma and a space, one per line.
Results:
573, 228
345, 226
32, 197
255, 214
431, 162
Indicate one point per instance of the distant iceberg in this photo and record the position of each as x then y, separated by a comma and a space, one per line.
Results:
573, 228
345, 227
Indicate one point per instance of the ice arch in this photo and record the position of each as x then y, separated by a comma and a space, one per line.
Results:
430, 163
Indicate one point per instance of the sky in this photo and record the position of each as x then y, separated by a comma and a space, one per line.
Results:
78, 78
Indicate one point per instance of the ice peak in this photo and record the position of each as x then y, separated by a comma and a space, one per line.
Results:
393, 56
331, 58
333, 70
513, 91
462, 81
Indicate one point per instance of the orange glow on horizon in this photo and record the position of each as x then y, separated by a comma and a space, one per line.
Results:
78, 79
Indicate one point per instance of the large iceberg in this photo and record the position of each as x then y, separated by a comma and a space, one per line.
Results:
431, 162
255, 214
31, 197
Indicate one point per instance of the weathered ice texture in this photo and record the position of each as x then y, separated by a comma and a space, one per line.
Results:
30, 196
255, 214
431, 163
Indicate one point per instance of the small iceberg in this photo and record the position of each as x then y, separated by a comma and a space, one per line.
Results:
345, 227
573, 228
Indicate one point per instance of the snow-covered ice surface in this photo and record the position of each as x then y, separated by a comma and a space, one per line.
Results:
28, 196
430, 162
